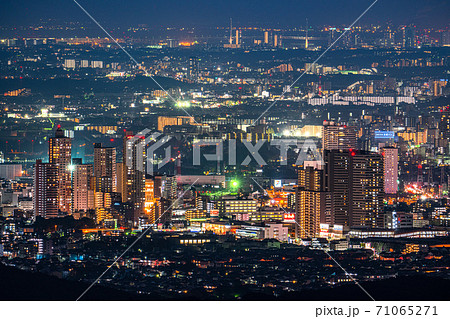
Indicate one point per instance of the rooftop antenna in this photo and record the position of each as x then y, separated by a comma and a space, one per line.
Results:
306, 37
231, 30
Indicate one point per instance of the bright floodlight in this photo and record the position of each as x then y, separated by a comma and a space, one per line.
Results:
183, 104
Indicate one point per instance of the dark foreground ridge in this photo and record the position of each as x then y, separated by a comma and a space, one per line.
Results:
16, 284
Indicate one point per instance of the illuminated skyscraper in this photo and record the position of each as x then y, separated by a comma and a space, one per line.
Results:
105, 168
45, 190
355, 181
60, 154
151, 203
105, 181
390, 159
164, 190
312, 202
134, 159
338, 137
83, 194
121, 180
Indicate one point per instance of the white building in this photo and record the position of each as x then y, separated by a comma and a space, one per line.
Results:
390, 156
69, 63
10, 171
97, 64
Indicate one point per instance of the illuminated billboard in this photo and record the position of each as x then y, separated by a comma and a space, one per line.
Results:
289, 218
384, 134
214, 213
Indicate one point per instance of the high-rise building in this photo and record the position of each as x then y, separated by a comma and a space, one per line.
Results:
157, 209
409, 37
105, 168
163, 211
105, 181
121, 181
194, 68
313, 202
165, 186
83, 194
438, 86
266, 37
355, 181
45, 190
151, 202
444, 128
390, 162
60, 154
338, 137
134, 159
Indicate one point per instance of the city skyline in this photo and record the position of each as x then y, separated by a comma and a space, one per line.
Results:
225, 151
204, 13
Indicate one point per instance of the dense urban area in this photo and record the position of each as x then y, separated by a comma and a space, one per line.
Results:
224, 163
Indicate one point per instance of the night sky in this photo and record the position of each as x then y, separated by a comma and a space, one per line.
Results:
262, 13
